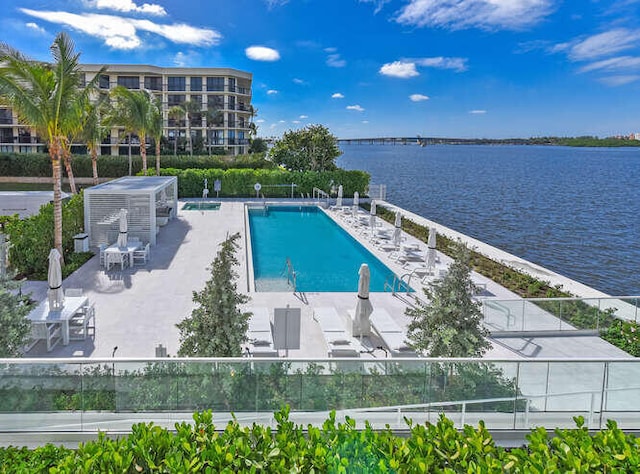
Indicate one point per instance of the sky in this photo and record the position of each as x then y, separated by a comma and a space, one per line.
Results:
373, 68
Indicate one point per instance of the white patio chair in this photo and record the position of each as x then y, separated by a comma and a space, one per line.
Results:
83, 324
115, 258
141, 256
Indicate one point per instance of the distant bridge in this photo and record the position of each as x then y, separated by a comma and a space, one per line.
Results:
384, 141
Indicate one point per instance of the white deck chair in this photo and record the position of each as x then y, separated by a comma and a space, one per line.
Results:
391, 333
83, 324
259, 335
339, 342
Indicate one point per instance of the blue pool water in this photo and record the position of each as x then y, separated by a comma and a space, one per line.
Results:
323, 255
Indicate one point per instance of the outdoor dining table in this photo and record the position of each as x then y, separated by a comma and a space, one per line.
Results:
41, 315
128, 250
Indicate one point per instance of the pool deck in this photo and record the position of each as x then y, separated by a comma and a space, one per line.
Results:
137, 308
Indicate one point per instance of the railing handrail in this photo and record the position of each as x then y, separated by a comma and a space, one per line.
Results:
562, 298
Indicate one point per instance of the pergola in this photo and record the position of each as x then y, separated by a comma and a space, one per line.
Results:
149, 200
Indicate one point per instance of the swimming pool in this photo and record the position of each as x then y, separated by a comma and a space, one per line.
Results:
324, 256
201, 206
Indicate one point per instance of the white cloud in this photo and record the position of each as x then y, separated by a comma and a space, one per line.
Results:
602, 44
613, 64
418, 97
188, 59
484, 14
337, 95
619, 80
260, 121
365, 121
295, 121
400, 69
477, 112
331, 50
457, 64
262, 53
126, 6
298, 81
282, 121
303, 117
355, 107
275, 3
35, 26
334, 60
272, 92
378, 3
122, 33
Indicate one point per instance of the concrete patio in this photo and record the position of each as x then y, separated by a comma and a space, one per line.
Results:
137, 308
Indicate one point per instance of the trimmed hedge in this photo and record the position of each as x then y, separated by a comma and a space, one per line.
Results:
39, 164
336, 447
240, 182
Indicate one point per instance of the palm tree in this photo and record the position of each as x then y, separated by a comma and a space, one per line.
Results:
134, 110
175, 113
156, 128
94, 130
212, 116
47, 97
253, 128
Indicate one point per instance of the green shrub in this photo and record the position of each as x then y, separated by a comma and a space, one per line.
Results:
625, 335
39, 164
32, 239
338, 447
240, 182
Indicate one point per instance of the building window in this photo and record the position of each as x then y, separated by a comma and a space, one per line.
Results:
5, 117
215, 83
130, 82
176, 99
232, 103
215, 102
196, 100
176, 83
6, 135
232, 120
153, 83
103, 81
232, 84
196, 84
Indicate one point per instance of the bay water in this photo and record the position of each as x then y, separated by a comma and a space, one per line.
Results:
575, 211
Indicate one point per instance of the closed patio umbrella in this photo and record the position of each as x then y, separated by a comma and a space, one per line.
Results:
431, 249
54, 278
372, 219
397, 233
122, 236
361, 323
339, 200
356, 203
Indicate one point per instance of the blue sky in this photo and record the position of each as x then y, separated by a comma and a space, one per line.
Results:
456, 68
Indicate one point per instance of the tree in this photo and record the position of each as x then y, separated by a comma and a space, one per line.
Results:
214, 117
135, 111
450, 324
49, 98
258, 145
175, 113
94, 130
155, 130
312, 148
217, 327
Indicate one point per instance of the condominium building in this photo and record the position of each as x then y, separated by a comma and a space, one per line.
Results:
219, 97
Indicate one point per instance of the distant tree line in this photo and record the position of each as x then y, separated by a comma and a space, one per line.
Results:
584, 141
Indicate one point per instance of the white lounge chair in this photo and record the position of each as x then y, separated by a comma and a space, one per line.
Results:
260, 337
83, 324
339, 342
391, 333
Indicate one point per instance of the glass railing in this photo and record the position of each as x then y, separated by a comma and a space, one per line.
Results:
558, 314
111, 394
